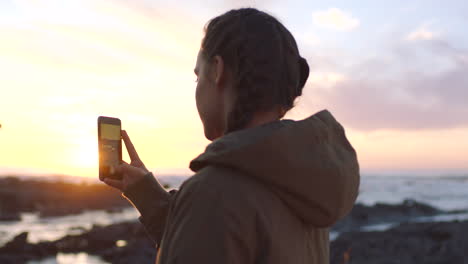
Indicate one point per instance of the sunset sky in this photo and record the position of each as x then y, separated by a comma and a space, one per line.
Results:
394, 73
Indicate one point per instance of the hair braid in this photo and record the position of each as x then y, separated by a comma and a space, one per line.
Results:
248, 95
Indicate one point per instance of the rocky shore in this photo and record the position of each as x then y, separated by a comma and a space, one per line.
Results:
117, 243
406, 242
381, 213
56, 198
428, 243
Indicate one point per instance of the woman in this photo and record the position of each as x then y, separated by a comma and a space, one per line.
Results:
265, 190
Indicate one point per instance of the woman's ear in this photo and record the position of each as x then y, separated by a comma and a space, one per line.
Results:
218, 70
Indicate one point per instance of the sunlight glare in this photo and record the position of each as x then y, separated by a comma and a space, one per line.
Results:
85, 155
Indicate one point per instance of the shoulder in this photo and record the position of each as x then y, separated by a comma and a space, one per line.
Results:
226, 187
217, 177
224, 182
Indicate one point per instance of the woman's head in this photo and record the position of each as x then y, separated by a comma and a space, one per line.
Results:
248, 63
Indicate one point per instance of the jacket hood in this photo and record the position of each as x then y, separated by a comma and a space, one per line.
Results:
309, 164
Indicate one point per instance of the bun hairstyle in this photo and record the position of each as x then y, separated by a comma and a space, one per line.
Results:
263, 58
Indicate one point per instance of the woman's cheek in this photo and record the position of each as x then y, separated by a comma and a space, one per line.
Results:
198, 101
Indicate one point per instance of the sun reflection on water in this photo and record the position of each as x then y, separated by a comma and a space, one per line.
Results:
69, 258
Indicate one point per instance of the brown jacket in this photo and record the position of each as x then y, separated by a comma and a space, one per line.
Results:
266, 194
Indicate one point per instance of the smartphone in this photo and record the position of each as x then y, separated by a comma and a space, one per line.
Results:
110, 146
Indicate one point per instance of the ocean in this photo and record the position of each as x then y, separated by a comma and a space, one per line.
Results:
446, 193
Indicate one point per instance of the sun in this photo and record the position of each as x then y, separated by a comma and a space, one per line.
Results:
85, 155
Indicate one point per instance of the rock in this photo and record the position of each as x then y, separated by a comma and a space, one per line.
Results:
12, 259
53, 211
17, 245
9, 204
54, 198
362, 215
443, 242
10, 216
102, 241
138, 250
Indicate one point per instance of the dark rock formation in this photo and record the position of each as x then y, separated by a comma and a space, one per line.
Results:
362, 215
434, 243
54, 198
102, 241
10, 216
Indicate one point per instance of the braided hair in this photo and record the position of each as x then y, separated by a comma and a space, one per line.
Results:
263, 58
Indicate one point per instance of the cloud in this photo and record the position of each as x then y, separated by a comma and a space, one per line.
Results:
309, 39
421, 34
335, 19
400, 94
325, 79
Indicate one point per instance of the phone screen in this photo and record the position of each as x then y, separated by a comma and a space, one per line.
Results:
110, 146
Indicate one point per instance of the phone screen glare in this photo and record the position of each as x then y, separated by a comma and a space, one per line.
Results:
110, 143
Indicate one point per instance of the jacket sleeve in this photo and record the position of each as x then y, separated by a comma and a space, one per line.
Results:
153, 203
207, 226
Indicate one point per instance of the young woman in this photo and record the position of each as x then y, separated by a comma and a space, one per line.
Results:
266, 189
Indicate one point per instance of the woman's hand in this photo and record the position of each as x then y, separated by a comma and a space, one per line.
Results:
131, 173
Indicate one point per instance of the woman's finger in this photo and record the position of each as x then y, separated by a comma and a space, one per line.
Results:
132, 153
114, 183
129, 171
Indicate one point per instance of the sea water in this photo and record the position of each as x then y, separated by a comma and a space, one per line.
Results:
70, 258
446, 193
53, 228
